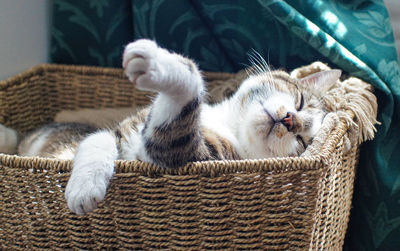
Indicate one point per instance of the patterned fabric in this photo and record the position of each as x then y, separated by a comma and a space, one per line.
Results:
354, 35
91, 32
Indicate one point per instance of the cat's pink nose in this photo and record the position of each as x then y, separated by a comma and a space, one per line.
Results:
289, 121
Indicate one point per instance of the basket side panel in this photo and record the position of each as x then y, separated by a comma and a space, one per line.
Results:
126, 211
241, 210
79, 90
233, 211
14, 213
31, 210
289, 208
184, 219
26, 103
334, 202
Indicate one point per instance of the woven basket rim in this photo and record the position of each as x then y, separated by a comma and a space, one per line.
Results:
39, 164
86, 69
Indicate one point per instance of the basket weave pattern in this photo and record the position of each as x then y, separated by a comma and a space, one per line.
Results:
275, 204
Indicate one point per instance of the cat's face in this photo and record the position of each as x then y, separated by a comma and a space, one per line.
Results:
281, 115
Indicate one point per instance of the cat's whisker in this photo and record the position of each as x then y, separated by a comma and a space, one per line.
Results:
257, 69
247, 68
261, 65
257, 61
262, 61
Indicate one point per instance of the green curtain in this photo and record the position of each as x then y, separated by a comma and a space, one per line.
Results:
354, 35
90, 32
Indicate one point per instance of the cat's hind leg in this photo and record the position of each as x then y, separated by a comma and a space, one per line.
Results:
8, 140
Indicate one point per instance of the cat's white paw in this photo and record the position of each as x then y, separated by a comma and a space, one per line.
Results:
85, 190
153, 68
8, 140
91, 173
141, 64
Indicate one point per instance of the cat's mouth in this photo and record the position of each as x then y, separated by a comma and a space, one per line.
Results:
275, 125
270, 116
268, 125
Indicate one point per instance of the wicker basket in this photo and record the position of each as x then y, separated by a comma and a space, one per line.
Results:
273, 204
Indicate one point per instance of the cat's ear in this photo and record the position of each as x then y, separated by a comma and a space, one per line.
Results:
321, 81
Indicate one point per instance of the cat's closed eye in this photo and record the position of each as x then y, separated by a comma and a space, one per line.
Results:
301, 141
301, 105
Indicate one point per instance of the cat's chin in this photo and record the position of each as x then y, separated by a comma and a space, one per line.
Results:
278, 143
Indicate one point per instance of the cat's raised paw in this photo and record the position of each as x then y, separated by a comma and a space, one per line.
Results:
152, 68
140, 61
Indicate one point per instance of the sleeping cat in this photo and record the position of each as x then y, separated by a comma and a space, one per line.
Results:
271, 115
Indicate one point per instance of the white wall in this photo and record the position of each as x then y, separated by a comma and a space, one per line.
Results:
24, 35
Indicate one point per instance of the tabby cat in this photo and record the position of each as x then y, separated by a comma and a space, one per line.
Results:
271, 115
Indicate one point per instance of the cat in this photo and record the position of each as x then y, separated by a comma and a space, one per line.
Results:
270, 115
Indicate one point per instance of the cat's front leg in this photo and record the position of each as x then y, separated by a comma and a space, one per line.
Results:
93, 168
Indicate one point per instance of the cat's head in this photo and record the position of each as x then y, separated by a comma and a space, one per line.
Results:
280, 115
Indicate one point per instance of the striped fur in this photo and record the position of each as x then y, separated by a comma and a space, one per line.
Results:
182, 140
57, 140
